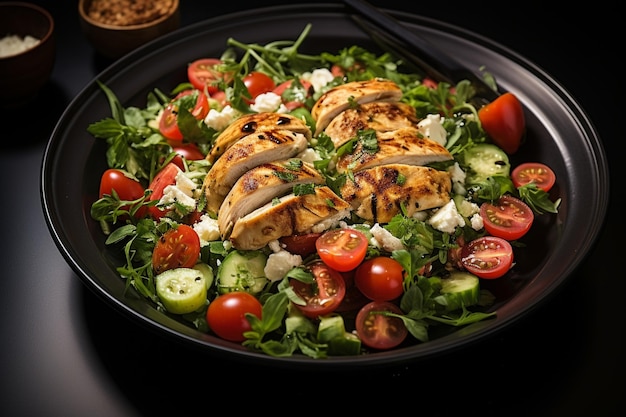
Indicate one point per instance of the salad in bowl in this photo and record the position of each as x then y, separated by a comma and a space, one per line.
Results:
334, 204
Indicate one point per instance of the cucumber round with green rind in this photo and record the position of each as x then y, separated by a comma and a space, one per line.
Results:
485, 160
457, 290
242, 271
182, 290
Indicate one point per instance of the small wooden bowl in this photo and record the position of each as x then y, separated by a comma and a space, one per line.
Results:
114, 41
23, 74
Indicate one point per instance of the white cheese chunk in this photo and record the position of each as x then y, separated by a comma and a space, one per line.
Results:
279, 263
207, 229
447, 218
432, 129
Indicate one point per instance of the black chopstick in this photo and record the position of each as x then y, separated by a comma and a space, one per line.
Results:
414, 49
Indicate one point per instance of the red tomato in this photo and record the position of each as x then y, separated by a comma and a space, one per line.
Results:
302, 245
296, 97
342, 249
380, 278
189, 151
324, 295
487, 257
168, 124
258, 83
509, 217
378, 331
126, 188
226, 315
535, 172
203, 73
166, 176
176, 248
503, 120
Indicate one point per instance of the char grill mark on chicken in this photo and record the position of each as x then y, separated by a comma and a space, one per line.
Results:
260, 185
246, 153
381, 116
294, 214
377, 194
256, 123
405, 146
344, 96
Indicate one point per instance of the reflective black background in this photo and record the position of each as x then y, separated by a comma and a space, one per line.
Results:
63, 352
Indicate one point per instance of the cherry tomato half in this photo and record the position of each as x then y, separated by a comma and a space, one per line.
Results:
258, 83
503, 120
324, 295
166, 176
487, 257
226, 315
203, 73
535, 172
342, 249
508, 217
303, 245
379, 331
176, 248
380, 278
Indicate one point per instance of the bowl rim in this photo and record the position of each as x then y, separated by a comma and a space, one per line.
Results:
45, 13
85, 16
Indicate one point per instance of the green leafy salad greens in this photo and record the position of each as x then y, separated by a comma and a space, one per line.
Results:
136, 146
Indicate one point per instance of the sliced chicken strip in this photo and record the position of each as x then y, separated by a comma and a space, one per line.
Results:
376, 194
344, 96
382, 116
256, 123
245, 154
402, 146
260, 185
292, 215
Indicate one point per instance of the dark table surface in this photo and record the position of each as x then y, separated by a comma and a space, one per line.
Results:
64, 352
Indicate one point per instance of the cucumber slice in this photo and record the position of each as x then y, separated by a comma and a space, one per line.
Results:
242, 271
332, 331
207, 272
330, 327
182, 290
459, 289
485, 160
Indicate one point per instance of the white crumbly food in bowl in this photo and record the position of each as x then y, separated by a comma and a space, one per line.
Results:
14, 44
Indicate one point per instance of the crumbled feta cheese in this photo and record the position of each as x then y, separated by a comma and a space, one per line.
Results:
432, 128
181, 192
218, 120
310, 155
330, 222
476, 222
420, 215
268, 102
458, 179
447, 218
279, 263
207, 229
382, 238
318, 78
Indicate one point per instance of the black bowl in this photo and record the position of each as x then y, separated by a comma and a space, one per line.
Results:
559, 134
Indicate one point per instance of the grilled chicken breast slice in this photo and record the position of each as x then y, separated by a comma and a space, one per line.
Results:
402, 146
292, 215
376, 194
260, 185
245, 154
382, 116
344, 96
256, 123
